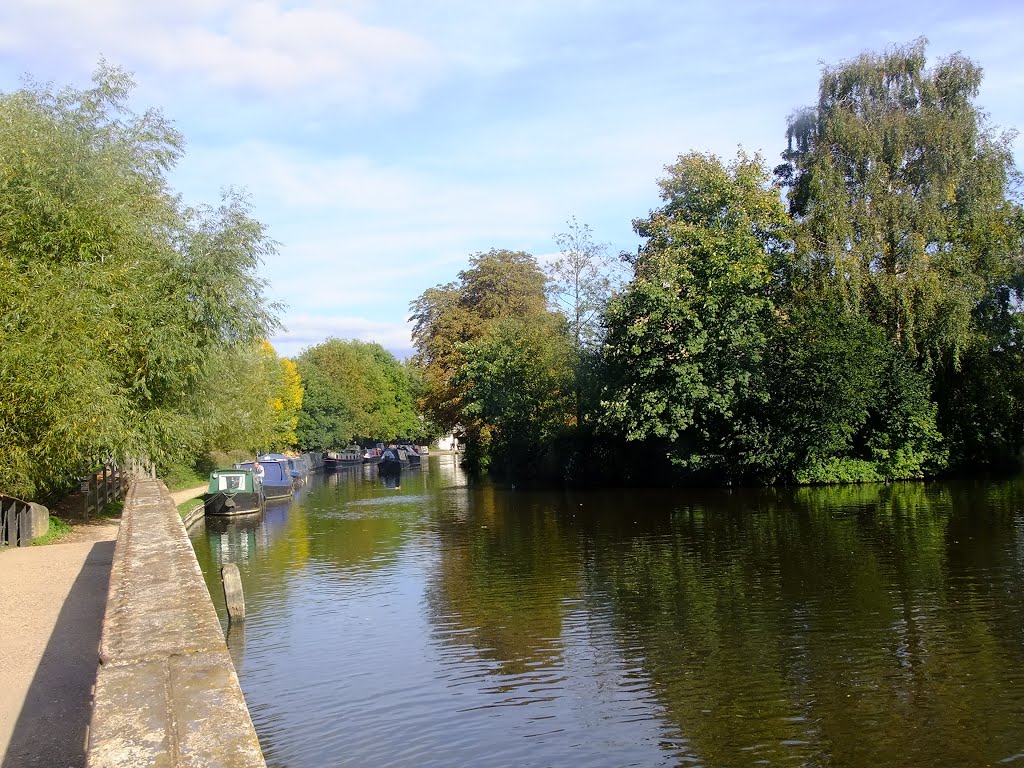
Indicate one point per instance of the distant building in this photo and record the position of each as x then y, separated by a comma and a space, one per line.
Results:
448, 443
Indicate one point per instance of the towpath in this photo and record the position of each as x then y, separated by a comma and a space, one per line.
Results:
52, 600
189, 493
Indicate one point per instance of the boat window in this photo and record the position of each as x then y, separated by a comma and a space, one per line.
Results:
231, 482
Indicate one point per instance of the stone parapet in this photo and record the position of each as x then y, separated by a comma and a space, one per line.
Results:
39, 521
166, 691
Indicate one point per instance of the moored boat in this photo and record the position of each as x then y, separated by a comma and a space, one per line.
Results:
277, 480
390, 463
314, 460
297, 467
351, 456
233, 492
412, 456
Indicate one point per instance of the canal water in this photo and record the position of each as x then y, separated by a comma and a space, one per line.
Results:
446, 623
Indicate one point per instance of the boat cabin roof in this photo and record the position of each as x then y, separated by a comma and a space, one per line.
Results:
275, 472
241, 480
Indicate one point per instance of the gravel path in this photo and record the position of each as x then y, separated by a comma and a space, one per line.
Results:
52, 600
189, 493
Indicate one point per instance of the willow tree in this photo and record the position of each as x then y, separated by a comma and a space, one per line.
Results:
115, 295
904, 195
250, 399
901, 189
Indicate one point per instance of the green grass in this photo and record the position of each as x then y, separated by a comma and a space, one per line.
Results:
187, 506
58, 530
179, 478
112, 510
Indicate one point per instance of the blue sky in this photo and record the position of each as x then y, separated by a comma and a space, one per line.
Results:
383, 142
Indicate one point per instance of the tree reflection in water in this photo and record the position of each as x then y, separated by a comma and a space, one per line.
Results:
861, 626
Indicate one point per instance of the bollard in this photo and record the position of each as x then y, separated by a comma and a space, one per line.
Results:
233, 596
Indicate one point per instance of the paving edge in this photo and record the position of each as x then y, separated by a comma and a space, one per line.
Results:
194, 516
166, 691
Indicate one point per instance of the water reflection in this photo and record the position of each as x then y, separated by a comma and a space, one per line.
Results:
235, 638
444, 623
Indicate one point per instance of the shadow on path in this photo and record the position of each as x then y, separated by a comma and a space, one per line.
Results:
51, 729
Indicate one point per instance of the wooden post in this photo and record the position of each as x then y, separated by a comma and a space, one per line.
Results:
233, 596
6, 520
84, 488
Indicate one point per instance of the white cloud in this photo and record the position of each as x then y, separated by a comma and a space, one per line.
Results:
308, 330
537, 111
260, 47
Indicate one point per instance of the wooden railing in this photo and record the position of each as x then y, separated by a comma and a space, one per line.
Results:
106, 483
15, 522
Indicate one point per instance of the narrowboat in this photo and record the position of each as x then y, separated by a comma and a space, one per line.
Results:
277, 480
411, 455
351, 456
297, 467
314, 461
390, 463
233, 492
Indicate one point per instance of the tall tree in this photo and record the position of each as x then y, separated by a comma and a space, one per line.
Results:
686, 338
908, 215
454, 327
581, 281
900, 188
498, 284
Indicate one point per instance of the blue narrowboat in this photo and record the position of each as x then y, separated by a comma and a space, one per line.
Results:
297, 467
277, 480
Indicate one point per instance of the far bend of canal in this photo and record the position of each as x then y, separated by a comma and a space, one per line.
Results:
451, 624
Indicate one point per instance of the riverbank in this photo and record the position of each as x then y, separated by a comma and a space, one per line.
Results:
166, 691
52, 601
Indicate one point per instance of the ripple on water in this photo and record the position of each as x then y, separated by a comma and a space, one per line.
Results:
464, 625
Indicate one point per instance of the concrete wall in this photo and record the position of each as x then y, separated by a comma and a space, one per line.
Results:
166, 691
196, 514
40, 521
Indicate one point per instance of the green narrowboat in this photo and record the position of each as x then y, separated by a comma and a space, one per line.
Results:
233, 492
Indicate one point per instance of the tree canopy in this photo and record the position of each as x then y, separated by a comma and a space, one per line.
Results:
580, 282
354, 390
687, 337
498, 284
855, 315
117, 297
901, 190
480, 353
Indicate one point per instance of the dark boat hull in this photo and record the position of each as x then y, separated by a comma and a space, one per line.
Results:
221, 503
389, 467
333, 465
278, 491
